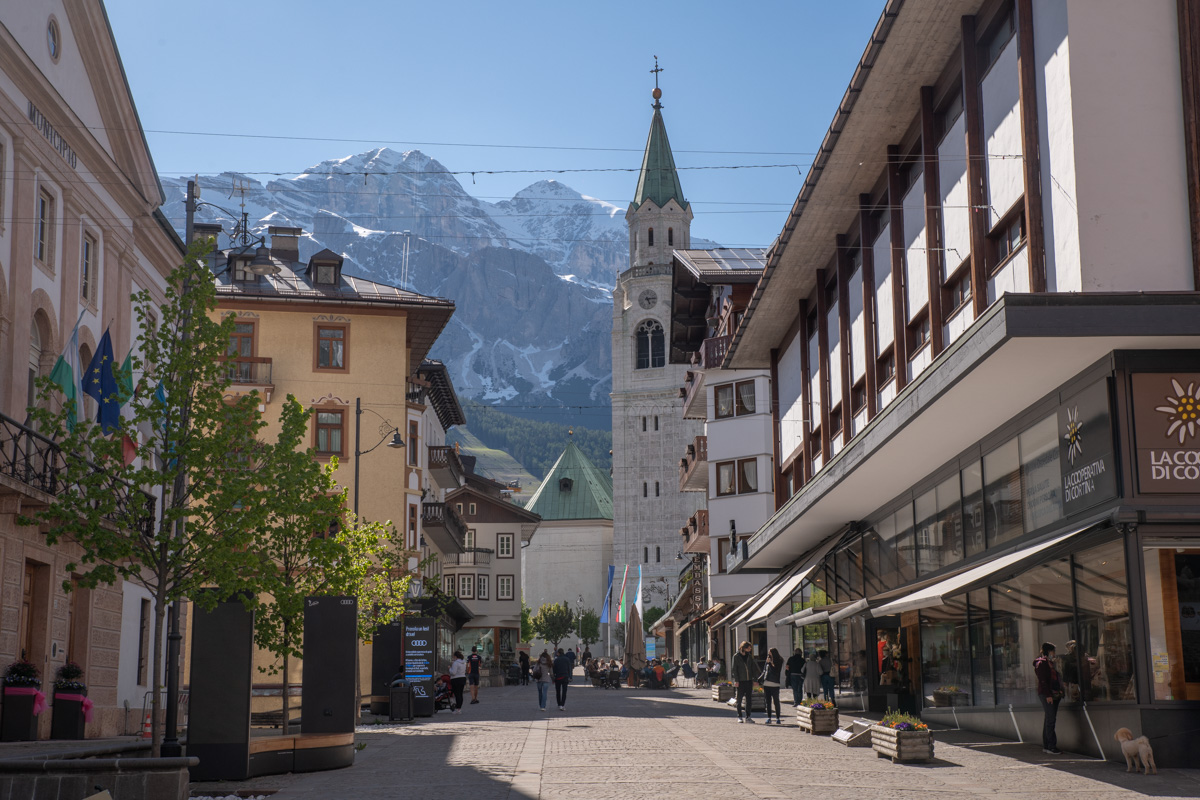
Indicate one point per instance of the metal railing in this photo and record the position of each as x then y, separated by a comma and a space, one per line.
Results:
251, 370
441, 515
445, 459
37, 462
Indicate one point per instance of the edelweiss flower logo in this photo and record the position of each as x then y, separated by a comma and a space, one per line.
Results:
1183, 411
1074, 435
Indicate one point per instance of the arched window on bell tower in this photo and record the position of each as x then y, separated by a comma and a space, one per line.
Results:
651, 351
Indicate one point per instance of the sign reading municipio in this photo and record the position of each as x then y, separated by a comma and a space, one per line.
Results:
420, 644
1166, 428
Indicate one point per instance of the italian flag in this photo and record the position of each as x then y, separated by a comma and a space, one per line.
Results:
622, 616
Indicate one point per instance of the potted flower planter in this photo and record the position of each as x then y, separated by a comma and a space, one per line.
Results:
817, 721
23, 701
68, 719
902, 745
723, 692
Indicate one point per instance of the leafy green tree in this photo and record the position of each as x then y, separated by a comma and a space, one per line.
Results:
589, 627
197, 448
307, 545
653, 615
527, 633
554, 622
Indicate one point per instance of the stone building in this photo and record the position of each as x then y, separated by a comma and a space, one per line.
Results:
569, 559
649, 429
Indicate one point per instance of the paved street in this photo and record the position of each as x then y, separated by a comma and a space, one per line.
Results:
641, 744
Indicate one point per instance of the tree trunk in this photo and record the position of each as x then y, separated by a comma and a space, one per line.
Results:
156, 732
287, 685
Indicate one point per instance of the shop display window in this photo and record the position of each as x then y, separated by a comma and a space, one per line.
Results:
946, 655
1102, 665
1041, 480
1002, 494
1173, 606
983, 686
972, 508
1034, 607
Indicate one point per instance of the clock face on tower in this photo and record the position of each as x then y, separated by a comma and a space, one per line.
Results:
647, 299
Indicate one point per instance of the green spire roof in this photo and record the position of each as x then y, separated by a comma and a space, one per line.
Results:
588, 495
658, 180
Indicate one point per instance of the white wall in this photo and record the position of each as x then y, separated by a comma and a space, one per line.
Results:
858, 330
1000, 93
128, 688
791, 398
1129, 149
952, 179
916, 257
1056, 134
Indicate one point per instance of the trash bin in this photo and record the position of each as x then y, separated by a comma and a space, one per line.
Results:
401, 702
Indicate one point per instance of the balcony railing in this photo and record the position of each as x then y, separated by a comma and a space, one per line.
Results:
251, 372
693, 467
713, 350
415, 393
29, 460
444, 527
472, 557
445, 467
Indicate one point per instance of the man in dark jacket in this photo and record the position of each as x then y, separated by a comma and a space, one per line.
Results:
563, 667
794, 672
1050, 693
744, 670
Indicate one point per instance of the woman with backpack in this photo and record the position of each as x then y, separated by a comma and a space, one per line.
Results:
543, 674
770, 683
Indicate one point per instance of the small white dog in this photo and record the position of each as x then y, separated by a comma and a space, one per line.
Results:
1137, 752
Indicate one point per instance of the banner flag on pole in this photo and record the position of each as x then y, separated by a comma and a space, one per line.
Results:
638, 599
67, 375
621, 617
612, 570
101, 384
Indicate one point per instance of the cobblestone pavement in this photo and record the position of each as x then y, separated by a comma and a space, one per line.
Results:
639, 744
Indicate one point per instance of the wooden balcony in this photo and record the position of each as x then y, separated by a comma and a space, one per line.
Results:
34, 469
695, 533
251, 373
444, 528
693, 467
713, 350
471, 557
446, 468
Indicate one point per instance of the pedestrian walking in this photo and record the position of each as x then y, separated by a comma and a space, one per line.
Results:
794, 672
458, 679
523, 662
563, 667
543, 674
744, 670
1050, 693
812, 676
770, 683
473, 663
826, 666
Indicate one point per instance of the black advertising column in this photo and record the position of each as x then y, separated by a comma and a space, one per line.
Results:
420, 652
221, 675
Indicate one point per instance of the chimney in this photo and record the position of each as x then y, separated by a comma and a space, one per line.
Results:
207, 230
285, 243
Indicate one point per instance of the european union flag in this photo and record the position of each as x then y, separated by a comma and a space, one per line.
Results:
100, 383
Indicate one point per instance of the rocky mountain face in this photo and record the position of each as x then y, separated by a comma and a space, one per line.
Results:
531, 276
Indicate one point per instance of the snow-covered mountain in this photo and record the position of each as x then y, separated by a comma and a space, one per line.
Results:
531, 276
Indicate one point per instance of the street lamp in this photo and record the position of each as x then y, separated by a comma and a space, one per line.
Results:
386, 430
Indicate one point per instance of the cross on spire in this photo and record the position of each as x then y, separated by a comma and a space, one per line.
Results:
657, 69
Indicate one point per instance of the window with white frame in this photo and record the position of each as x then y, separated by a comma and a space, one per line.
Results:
449, 583
481, 587
504, 587
87, 269
504, 545
466, 587
44, 246
469, 539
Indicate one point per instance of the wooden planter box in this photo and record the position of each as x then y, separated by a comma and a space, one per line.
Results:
817, 721
902, 746
723, 694
947, 699
67, 719
17, 722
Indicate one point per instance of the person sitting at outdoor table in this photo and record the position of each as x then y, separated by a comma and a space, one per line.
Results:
660, 675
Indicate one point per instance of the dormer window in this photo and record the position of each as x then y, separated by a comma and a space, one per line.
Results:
241, 270
325, 268
326, 274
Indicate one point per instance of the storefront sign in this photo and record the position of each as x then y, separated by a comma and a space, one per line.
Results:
1166, 420
420, 650
697, 582
1085, 449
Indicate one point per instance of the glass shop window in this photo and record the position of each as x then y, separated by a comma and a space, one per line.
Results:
1173, 600
946, 654
1100, 665
1032, 608
1002, 494
1040, 475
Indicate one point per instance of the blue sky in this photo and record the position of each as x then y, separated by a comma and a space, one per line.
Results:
760, 78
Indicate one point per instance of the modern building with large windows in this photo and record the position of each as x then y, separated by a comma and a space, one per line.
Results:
983, 314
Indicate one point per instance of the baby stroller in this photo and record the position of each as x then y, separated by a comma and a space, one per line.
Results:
443, 697
613, 679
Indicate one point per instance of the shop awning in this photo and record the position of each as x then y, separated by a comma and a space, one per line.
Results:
857, 607
935, 594
776, 593
815, 614
713, 614
682, 605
